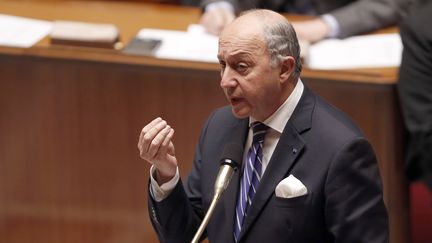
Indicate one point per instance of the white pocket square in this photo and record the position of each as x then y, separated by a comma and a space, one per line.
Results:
290, 187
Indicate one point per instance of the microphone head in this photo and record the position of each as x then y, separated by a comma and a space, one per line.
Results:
232, 155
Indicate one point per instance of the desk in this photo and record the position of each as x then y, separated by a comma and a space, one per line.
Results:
70, 119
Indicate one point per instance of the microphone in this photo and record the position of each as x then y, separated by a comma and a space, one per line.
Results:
230, 160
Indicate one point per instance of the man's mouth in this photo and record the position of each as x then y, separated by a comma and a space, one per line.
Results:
235, 100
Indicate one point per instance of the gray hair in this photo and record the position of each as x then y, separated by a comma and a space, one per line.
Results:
281, 40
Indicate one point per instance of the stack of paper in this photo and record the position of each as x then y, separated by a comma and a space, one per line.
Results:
84, 34
193, 45
368, 51
22, 32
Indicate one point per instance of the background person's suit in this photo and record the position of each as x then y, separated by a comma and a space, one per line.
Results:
415, 90
353, 16
321, 147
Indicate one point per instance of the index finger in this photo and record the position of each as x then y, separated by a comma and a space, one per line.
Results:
147, 128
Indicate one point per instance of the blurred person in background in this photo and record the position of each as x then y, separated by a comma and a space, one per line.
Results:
415, 91
332, 18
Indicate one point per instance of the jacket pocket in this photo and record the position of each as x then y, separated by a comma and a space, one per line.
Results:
293, 202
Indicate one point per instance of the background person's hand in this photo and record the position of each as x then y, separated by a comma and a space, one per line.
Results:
215, 20
155, 146
311, 30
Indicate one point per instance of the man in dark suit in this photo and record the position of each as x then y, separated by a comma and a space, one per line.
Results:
415, 89
309, 174
337, 18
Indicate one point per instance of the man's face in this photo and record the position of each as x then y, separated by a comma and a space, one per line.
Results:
249, 81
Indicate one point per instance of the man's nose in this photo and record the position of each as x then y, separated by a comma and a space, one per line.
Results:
228, 78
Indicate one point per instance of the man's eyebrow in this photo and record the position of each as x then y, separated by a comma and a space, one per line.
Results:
240, 54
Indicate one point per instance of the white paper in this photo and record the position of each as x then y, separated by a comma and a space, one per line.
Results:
192, 45
22, 32
369, 51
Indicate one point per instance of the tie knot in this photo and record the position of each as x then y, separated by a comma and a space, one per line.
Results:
259, 130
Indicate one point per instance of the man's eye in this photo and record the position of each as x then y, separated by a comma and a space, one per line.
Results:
222, 68
241, 67
222, 65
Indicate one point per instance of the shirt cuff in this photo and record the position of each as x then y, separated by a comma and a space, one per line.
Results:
161, 192
333, 24
222, 4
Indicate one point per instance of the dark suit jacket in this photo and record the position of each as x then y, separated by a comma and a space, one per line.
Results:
321, 147
415, 89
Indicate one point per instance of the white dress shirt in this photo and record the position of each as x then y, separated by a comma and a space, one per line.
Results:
276, 123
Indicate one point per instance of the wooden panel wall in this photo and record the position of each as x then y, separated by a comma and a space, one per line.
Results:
70, 170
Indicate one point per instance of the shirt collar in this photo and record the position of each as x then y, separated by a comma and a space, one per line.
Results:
280, 117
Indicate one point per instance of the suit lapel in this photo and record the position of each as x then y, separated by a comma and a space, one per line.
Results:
288, 149
280, 163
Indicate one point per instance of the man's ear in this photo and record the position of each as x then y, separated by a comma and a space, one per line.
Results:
287, 67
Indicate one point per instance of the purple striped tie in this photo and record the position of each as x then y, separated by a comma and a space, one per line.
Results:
251, 176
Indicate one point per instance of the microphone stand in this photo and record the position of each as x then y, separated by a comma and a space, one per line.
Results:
223, 178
